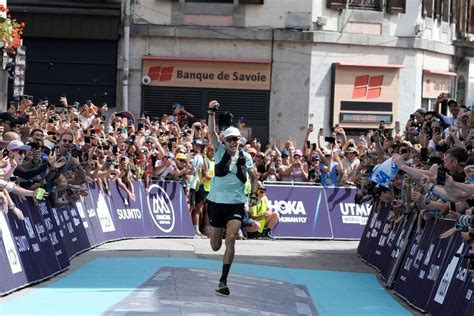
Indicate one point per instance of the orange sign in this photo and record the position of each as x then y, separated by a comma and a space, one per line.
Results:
435, 84
205, 73
364, 95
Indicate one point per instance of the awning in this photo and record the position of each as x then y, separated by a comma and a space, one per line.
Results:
440, 72
344, 64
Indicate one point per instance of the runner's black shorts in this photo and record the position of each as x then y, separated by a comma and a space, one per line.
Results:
220, 213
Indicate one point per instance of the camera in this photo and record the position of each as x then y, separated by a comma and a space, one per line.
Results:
75, 152
330, 139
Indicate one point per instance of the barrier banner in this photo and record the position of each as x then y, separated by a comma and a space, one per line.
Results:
303, 211
167, 207
71, 230
395, 247
97, 206
453, 291
421, 267
37, 253
408, 274
127, 214
86, 222
43, 243
348, 219
12, 273
53, 231
372, 235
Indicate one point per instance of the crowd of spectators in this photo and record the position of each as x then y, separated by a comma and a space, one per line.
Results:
427, 169
62, 147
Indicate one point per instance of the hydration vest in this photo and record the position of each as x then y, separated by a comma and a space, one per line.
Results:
222, 168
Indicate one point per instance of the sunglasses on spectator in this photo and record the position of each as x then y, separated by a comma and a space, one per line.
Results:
232, 139
67, 141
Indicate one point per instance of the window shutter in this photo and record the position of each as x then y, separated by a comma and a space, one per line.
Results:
428, 8
454, 11
337, 4
250, 1
446, 10
396, 6
438, 8
470, 27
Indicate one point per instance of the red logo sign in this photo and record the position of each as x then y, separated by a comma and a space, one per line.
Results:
161, 73
367, 87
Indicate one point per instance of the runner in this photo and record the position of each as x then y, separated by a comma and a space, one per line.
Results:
227, 196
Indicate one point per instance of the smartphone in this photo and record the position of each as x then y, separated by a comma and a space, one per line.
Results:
330, 139
382, 125
412, 117
308, 144
310, 125
114, 149
424, 153
87, 139
397, 125
314, 146
441, 176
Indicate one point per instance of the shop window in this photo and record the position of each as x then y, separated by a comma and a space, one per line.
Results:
396, 6
214, 1
228, 1
337, 4
365, 4
374, 5
250, 1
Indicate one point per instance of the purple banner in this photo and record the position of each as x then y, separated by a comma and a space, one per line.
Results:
348, 219
42, 244
303, 211
167, 210
394, 246
453, 291
372, 234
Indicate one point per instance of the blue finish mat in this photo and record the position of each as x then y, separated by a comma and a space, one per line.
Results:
95, 287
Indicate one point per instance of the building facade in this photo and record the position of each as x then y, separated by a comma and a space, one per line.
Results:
282, 65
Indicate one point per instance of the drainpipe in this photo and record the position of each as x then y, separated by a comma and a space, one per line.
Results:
126, 54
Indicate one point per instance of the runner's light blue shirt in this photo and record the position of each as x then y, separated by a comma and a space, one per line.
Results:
229, 189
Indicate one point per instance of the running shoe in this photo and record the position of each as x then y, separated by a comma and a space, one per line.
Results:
222, 289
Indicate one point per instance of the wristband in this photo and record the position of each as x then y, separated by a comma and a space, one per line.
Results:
11, 207
211, 111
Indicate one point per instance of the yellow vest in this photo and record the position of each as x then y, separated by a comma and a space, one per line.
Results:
259, 209
210, 170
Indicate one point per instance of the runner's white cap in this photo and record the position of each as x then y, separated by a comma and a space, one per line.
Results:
231, 131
